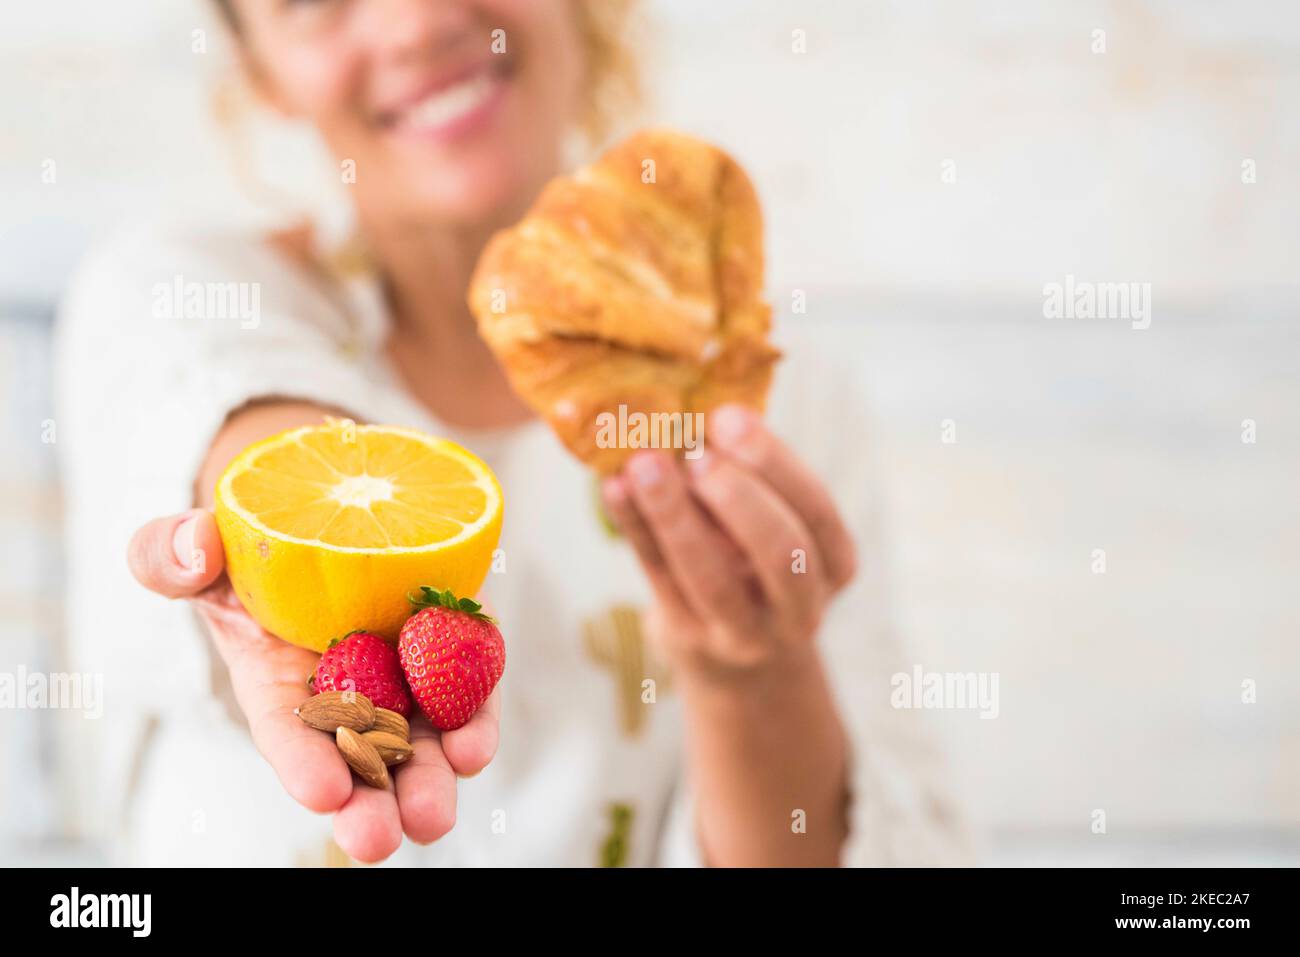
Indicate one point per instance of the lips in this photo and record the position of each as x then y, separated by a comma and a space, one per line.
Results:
450, 107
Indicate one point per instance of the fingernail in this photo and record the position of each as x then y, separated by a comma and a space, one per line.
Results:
183, 544
646, 470
730, 424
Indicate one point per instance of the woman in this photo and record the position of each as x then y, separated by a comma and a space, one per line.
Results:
768, 738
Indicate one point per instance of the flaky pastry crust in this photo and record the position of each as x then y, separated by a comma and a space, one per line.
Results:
635, 282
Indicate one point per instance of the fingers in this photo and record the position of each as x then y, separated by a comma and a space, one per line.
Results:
767, 530
738, 432
368, 827
268, 677
617, 496
426, 787
707, 568
177, 556
426, 783
181, 556
470, 747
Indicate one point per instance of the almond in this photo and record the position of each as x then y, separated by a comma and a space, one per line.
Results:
334, 709
392, 722
392, 748
362, 757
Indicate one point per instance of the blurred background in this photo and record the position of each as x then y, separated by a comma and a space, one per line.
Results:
927, 167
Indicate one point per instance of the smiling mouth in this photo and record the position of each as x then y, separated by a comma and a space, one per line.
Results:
449, 106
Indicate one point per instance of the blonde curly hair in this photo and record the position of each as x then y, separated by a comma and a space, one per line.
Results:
613, 75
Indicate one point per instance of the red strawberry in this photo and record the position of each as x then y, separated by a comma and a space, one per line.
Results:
452, 655
366, 664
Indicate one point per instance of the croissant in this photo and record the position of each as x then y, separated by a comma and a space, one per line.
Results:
632, 288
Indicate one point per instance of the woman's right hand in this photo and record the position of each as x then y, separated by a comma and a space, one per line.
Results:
269, 677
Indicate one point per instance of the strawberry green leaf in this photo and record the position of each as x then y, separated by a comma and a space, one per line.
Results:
432, 598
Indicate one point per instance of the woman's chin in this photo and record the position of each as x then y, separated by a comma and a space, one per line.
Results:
474, 195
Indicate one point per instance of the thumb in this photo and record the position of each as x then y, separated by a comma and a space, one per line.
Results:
177, 556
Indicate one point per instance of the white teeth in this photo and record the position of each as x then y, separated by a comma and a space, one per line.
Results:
451, 103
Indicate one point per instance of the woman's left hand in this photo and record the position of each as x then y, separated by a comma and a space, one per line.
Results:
743, 546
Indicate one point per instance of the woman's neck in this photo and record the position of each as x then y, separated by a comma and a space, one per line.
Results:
434, 343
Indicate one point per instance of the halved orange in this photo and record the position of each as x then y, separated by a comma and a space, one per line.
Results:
328, 528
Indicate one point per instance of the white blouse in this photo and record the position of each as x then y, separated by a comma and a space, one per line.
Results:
151, 359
